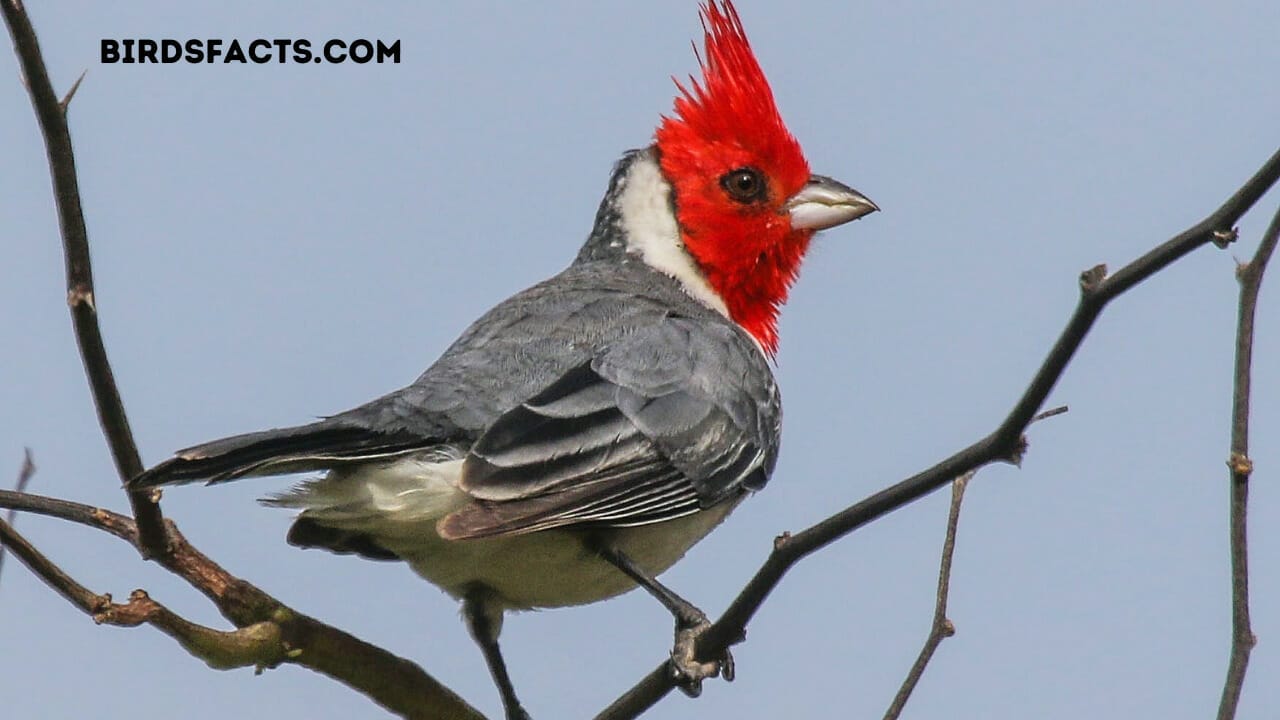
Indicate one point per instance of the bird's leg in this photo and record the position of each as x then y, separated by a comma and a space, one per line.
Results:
484, 620
690, 623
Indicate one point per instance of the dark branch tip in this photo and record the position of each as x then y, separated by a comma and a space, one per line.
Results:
1090, 279
1223, 238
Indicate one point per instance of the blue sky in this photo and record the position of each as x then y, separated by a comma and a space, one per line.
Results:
274, 243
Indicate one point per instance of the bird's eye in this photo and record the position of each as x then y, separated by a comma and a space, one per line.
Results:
744, 185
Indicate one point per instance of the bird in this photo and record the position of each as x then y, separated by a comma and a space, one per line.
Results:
578, 438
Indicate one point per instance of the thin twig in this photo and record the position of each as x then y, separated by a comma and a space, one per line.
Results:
65, 102
1051, 412
268, 632
25, 473
53, 576
121, 526
51, 114
1241, 467
1096, 291
942, 627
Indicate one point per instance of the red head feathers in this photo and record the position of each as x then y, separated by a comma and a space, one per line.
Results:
734, 165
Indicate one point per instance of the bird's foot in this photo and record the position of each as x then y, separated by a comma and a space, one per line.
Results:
687, 670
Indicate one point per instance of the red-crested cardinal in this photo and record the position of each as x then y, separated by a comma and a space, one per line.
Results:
581, 436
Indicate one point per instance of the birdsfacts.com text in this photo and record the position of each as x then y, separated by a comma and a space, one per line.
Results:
260, 51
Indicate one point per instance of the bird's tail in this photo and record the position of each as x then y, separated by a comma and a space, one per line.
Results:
317, 446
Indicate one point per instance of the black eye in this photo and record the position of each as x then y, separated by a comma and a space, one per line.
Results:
744, 185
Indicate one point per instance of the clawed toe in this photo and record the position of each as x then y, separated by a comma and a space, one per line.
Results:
687, 671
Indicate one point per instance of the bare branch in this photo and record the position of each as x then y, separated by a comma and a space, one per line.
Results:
1096, 291
269, 633
80, 295
1241, 467
258, 645
25, 472
942, 627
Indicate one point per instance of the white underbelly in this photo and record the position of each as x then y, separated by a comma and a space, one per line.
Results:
551, 568
399, 503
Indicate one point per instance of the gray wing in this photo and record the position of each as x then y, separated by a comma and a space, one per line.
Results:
628, 386
672, 418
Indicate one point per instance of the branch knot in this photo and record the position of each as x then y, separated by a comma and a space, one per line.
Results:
1240, 465
1090, 279
1223, 238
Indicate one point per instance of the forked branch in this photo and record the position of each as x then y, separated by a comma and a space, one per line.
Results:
258, 645
941, 627
268, 632
52, 116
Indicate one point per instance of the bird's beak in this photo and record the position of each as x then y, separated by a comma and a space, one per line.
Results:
825, 203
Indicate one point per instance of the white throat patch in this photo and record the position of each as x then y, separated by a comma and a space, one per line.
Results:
653, 234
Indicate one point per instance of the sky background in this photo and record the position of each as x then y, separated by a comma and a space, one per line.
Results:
274, 243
